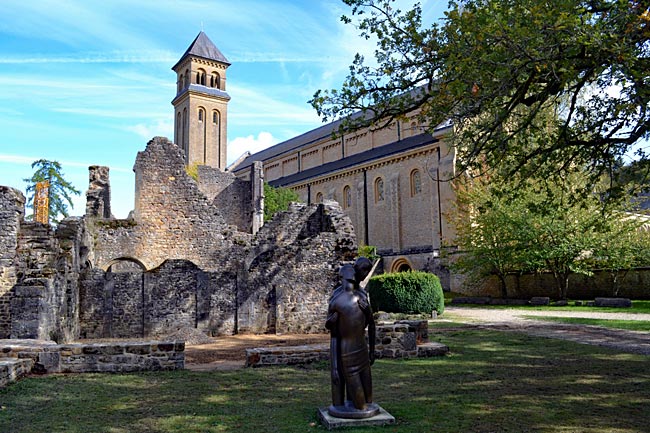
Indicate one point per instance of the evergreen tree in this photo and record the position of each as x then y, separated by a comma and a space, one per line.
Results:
60, 190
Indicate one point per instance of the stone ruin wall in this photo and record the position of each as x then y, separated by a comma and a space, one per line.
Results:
172, 218
178, 262
279, 282
12, 209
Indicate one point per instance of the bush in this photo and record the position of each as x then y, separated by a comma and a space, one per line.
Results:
277, 199
406, 292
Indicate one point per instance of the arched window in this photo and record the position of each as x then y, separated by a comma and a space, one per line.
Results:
187, 78
215, 80
183, 135
319, 197
200, 77
416, 182
215, 117
181, 79
379, 190
178, 128
347, 197
201, 114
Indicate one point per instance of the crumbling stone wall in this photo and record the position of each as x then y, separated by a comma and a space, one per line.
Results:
98, 196
178, 263
172, 219
280, 282
293, 267
45, 301
12, 209
229, 194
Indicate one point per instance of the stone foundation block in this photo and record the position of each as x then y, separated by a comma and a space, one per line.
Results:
613, 302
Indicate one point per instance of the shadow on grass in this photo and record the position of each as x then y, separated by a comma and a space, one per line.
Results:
492, 382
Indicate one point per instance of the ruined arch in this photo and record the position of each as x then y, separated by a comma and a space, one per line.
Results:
106, 267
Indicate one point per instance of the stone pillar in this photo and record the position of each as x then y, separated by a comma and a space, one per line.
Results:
257, 188
98, 196
12, 211
395, 212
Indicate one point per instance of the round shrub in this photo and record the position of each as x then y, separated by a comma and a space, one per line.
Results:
406, 292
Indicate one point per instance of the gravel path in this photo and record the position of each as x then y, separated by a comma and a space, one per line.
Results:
513, 320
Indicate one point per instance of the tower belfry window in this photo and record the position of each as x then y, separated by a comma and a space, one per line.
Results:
200, 114
215, 117
200, 77
215, 80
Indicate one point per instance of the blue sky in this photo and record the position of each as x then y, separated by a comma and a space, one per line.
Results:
86, 82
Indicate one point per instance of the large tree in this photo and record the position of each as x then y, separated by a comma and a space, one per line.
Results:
539, 226
493, 66
59, 192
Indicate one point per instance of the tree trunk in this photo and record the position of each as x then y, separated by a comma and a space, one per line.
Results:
565, 286
504, 287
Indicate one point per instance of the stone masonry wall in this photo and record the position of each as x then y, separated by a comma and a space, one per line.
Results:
229, 194
172, 218
12, 208
98, 196
177, 264
45, 302
293, 268
279, 283
123, 356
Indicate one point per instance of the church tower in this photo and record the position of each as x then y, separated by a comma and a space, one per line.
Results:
201, 103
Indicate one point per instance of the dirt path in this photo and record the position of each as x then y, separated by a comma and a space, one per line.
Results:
229, 353
513, 320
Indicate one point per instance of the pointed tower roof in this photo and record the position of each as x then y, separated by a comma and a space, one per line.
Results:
203, 47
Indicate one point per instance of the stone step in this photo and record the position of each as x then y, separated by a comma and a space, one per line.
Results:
12, 369
432, 348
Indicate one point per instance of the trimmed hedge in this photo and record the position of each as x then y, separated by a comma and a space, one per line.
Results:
406, 292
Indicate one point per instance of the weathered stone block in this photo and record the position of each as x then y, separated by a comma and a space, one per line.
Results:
613, 302
540, 300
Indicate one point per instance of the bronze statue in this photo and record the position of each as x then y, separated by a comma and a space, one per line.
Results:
349, 313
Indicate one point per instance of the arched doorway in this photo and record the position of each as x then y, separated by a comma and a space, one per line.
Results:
401, 265
124, 298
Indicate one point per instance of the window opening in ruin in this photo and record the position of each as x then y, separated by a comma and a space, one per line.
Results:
319, 197
379, 189
416, 182
271, 304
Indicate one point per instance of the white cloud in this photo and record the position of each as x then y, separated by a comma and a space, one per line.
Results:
161, 128
239, 145
28, 160
156, 56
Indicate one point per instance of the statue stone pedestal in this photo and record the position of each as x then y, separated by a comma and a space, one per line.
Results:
331, 422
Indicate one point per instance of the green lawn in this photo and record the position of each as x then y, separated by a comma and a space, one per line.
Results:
637, 307
631, 325
492, 382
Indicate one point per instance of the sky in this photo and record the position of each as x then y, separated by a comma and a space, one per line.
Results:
90, 83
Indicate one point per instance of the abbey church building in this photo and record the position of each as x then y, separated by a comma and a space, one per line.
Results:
390, 181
